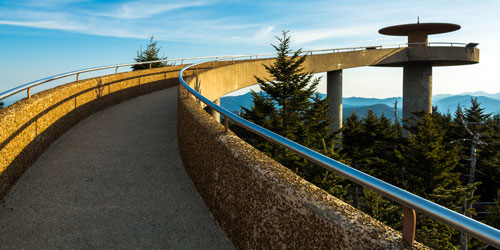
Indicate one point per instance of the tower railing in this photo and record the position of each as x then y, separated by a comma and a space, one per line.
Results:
28, 86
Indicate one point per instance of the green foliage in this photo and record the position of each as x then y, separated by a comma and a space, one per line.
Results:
371, 143
429, 163
475, 113
325, 179
435, 234
493, 218
150, 54
1, 105
289, 106
382, 209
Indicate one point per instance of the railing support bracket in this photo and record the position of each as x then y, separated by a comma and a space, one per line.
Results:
409, 225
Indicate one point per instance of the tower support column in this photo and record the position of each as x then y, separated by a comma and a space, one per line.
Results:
417, 91
213, 112
334, 93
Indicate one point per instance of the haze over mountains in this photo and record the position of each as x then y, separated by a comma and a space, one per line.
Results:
446, 103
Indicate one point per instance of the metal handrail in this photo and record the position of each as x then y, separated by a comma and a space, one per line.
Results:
458, 221
29, 85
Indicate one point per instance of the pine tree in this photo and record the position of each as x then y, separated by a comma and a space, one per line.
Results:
289, 106
475, 114
487, 166
488, 157
352, 132
371, 143
382, 209
430, 171
150, 54
493, 218
427, 162
488, 161
291, 89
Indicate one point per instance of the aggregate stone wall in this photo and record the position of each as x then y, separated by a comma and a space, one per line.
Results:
29, 126
259, 203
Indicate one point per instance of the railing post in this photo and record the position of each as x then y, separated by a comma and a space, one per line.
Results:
150, 66
182, 61
116, 70
77, 77
409, 225
29, 93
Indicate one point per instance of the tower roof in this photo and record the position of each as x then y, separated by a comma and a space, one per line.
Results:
428, 28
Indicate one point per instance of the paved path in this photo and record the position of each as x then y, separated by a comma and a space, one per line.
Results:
114, 181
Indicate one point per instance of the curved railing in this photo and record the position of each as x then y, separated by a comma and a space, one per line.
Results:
409, 201
28, 86
462, 223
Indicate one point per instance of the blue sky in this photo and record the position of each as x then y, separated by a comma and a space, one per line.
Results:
39, 38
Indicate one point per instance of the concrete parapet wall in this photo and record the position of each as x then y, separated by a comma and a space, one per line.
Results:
233, 76
29, 126
261, 204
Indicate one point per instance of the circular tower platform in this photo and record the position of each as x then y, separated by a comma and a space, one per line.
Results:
418, 32
417, 61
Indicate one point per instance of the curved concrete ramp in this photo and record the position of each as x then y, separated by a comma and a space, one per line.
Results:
114, 181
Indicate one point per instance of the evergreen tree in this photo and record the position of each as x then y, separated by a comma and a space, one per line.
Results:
332, 183
289, 106
291, 89
382, 209
430, 170
1, 105
488, 161
475, 114
150, 54
371, 143
428, 165
487, 166
487, 128
493, 218
352, 131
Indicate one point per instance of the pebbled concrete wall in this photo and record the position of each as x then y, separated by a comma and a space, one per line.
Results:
29, 126
259, 203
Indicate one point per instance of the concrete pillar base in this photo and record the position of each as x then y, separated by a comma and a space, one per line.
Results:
214, 113
417, 91
334, 93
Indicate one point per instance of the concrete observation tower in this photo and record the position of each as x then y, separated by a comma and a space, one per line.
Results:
417, 61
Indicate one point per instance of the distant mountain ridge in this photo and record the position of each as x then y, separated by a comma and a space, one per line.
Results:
449, 104
446, 103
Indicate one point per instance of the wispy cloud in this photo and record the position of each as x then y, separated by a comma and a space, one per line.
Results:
145, 9
312, 35
48, 3
45, 25
212, 21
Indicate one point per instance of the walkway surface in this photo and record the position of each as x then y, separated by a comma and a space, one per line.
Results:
114, 181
